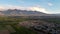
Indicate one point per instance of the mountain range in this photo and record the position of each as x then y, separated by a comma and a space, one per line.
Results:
16, 12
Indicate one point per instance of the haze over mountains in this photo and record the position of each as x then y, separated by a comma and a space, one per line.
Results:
16, 12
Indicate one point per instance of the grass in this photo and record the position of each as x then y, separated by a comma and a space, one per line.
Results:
52, 20
20, 29
13, 23
2, 27
23, 30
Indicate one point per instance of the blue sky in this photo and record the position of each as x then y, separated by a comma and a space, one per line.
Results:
47, 6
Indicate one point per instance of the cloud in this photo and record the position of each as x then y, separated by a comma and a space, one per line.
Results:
38, 9
1, 8
50, 4
10, 7
32, 8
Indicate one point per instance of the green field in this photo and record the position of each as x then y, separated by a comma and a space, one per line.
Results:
11, 25
52, 20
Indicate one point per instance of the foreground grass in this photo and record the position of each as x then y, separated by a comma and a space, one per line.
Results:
20, 29
23, 30
13, 23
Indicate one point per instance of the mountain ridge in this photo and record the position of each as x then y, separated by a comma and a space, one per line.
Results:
16, 12
21, 13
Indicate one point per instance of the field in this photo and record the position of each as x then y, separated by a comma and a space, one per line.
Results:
52, 20
11, 24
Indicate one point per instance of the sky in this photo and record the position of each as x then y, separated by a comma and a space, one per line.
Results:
46, 6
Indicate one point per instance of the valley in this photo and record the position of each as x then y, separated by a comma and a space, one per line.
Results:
15, 25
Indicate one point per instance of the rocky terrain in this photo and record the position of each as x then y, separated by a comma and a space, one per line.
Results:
42, 27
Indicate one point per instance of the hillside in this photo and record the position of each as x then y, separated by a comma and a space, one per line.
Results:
17, 12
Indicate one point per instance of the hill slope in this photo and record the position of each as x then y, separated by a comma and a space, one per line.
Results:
16, 12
